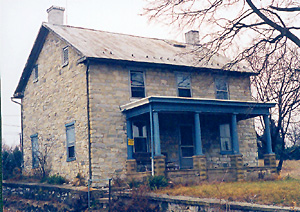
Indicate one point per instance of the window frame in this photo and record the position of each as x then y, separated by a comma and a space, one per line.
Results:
178, 74
223, 79
222, 150
71, 144
130, 83
65, 56
35, 71
35, 152
144, 136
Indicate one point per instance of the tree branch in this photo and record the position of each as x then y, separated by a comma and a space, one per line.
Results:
291, 9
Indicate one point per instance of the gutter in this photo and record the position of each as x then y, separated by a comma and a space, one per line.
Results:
22, 149
88, 118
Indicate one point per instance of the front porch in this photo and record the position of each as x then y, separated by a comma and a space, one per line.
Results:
190, 140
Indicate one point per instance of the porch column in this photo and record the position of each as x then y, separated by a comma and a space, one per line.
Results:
129, 136
268, 134
234, 132
156, 134
198, 142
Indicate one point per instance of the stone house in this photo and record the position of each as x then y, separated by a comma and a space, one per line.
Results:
112, 105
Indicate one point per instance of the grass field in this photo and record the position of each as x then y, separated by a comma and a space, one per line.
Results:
282, 192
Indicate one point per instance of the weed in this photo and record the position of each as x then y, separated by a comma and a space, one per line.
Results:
55, 179
156, 182
133, 183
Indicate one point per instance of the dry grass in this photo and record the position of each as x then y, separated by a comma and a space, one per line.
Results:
291, 168
280, 192
284, 192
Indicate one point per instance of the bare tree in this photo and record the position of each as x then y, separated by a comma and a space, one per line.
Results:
264, 33
279, 82
261, 28
42, 155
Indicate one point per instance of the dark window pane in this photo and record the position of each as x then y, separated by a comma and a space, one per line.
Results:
222, 95
183, 81
221, 84
71, 152
137, 78
140, 144
186, 135
184, 92
138, 92
187, 151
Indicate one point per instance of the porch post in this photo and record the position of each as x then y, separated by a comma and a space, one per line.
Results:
129, 136
156, 134
234, 132
268, 134
198, 142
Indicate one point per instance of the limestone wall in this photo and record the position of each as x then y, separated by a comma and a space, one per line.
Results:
110, 88
57, 98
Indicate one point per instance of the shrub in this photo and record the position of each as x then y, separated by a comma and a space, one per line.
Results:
11, 160
55, 179
156, 182
133, 183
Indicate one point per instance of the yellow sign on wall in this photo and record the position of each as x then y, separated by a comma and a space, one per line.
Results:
130, 142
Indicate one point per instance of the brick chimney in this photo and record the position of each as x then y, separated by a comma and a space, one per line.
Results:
192, 37
56, 15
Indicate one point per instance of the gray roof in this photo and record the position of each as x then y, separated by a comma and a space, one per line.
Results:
107, 45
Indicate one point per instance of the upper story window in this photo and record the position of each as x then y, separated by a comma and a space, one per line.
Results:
225, 138
70, 133
137, 84
35, 150
35, 71
221, 88
65, 56
184, 85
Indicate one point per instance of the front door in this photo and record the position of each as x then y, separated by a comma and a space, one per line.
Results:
186, 146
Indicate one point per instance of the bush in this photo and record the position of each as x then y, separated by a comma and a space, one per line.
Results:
55, 179
11, 160
156, 182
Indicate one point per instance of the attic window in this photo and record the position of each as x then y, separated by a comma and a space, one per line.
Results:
137, 84
35, 71
65, 56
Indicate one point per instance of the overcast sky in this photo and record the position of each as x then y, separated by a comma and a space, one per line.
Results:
20, 21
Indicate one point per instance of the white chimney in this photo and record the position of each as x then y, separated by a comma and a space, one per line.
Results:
56, 15
192, 37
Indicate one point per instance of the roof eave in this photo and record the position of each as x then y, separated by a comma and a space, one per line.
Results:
159, 65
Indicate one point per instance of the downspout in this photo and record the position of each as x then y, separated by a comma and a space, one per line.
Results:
88, 118
21, 143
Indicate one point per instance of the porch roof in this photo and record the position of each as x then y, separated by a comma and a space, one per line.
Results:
243, 109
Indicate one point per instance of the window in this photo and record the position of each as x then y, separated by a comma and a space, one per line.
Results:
137, 84
184, 85
70, 132
35, 71
140, 136
225, 138
221, 88
35, 150
65, 56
